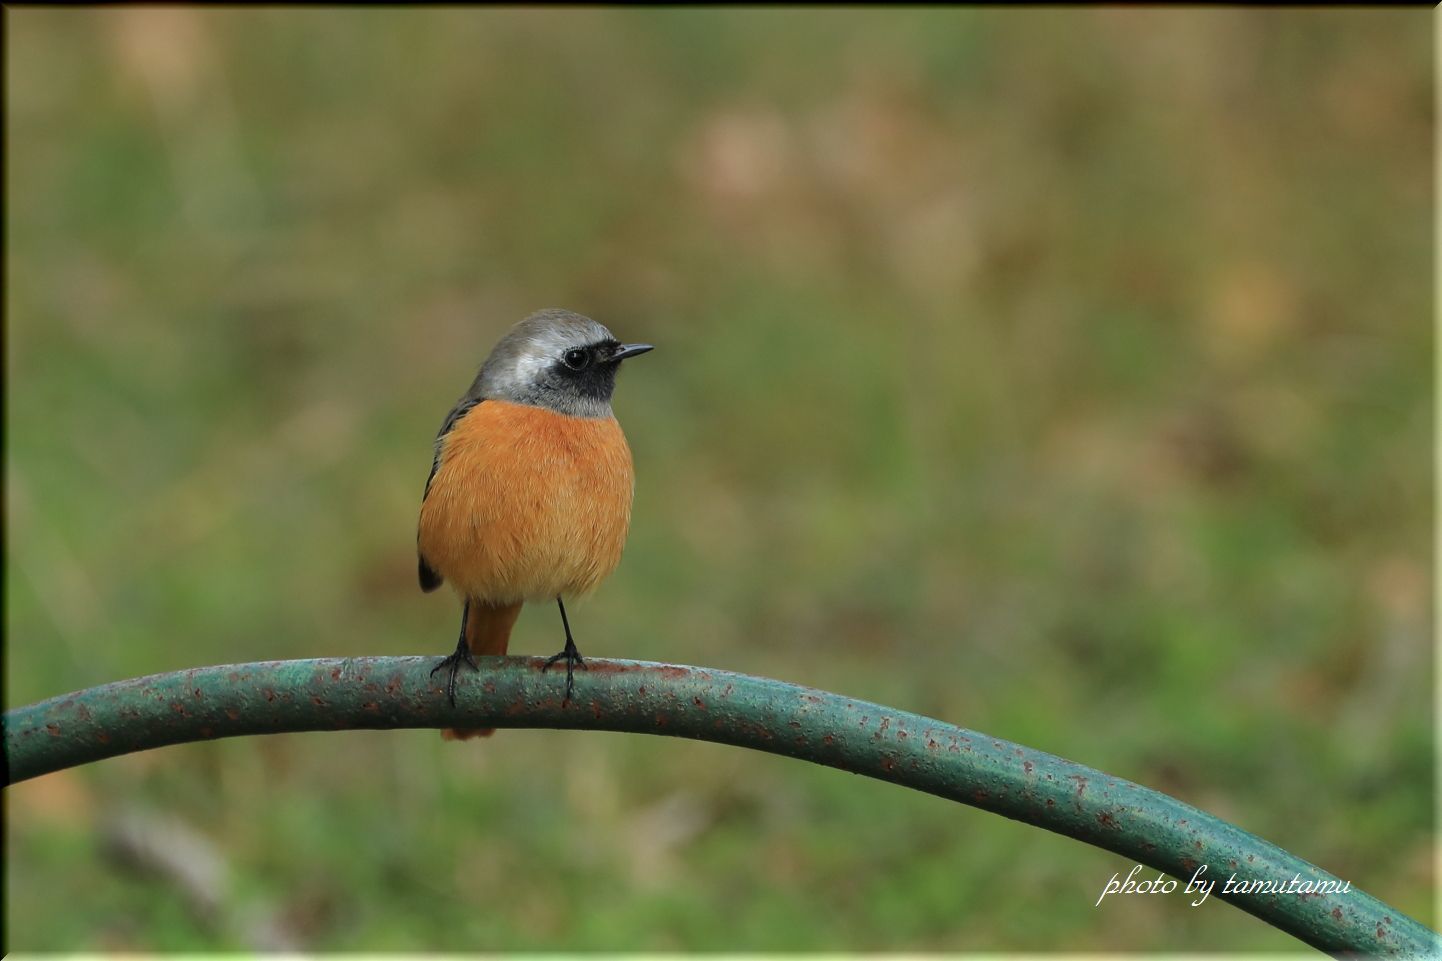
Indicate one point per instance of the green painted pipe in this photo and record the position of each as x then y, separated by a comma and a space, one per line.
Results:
1140, 824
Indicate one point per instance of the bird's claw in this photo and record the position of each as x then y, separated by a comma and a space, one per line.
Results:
573, 658
454, 662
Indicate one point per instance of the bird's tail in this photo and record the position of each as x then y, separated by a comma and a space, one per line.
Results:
488, 631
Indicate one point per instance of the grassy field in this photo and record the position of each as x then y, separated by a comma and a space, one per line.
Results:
1062, 374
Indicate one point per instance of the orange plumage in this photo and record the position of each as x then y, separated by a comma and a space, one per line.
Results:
527, 504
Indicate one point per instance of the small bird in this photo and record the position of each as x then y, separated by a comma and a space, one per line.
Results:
529, 496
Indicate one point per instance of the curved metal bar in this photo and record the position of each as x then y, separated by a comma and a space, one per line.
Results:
1140, 824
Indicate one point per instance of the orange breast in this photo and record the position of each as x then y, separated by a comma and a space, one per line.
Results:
527, 504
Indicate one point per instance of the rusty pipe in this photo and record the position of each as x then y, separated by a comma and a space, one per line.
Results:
1140, 824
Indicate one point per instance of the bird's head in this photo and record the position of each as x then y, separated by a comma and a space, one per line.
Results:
558, 360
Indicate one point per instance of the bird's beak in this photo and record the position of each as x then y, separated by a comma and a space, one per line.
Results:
630, 350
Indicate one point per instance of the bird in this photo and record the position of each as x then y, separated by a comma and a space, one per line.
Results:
531, 485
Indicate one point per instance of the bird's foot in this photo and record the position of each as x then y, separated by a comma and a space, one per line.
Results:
461, 656
572, 657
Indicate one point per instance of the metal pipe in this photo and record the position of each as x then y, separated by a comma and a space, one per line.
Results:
1142, 825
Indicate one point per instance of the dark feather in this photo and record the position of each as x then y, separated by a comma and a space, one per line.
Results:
429, 578
457, 412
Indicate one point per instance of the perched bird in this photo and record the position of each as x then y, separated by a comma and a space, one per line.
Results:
529, 496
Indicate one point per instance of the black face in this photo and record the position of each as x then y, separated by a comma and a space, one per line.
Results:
589, 371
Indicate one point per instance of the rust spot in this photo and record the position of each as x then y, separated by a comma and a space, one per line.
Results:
888, 763
1337, 913
727, 692
978, 795
901, 735
1050, 803
232, 713
318, 700
489, 687
931, 745
794, 724
596, 710
269, 694
393, 685
1250, 858
1027, 766
1232, 864
641, 690
673, 672
1081, 783
662, 720
197, 694
1197, 845
206, 732
371, 706
335, 674
827, 739
1381, 935
1107, 821
809, 698
1189, 864
1148, 846
179, 708
800, 739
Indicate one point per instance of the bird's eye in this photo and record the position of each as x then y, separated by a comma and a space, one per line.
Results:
576, 359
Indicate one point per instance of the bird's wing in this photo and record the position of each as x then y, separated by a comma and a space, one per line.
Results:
462, 408
429, 578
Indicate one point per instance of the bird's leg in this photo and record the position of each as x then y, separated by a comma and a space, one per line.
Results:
569, 654
462, 655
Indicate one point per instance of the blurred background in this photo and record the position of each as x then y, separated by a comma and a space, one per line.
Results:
1064, 374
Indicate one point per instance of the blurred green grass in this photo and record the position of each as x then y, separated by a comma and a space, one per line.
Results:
1063, 374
